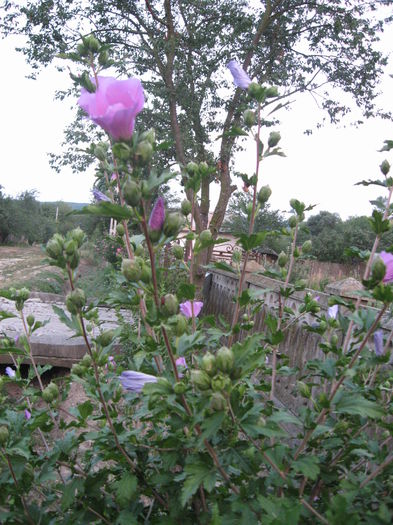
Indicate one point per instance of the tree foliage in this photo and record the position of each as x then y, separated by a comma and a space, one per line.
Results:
180, 49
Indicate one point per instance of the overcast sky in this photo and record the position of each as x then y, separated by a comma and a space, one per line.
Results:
319, 169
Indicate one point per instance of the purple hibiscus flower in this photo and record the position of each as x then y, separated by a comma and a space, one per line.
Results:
157, 216
10, 372
99, 196
332, 311
378, 343
134, 381
114, 105
240, 77
387, 259
186, 308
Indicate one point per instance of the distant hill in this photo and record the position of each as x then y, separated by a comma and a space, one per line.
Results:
73, 205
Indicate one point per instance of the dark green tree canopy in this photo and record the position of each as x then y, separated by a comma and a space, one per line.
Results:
180, 49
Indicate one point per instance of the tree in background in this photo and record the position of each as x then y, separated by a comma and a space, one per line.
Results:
180, 49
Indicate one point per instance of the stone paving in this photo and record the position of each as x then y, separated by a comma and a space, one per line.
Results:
53, 343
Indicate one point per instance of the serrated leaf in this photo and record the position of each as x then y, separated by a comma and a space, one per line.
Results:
6, 315
125, 488
355, 404
69, 493
388, 145
154, 181
85, 409
248, 242
197, 474
220, 265
308, 466
105, 209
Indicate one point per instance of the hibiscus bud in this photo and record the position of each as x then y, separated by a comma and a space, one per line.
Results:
200, 379
47, 395
145, 189
378, 270
203, 168
180, 387
78, 235
120, 230
181, 325
205, 237
264, 194
54, 389
307, 246
121, 151
100, 151
292, 221
103, 58
91, 43
144, 151
225, 359
146, 274
75, 301
70, 247
173, 223
209, 363
149, 135
54, 248
157, 216
170, 305
131, 192
271, 91
334, 339
139, 250
84, 81
220, 383
81, 50
249, 118
30, 320
178, 251
86, 361
192, 168
186, 207
218, 402
256, 91
4, 435
274, 139
131, 270
77, 369
105, 338
385, 167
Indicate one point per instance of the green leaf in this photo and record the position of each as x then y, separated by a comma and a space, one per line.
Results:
248, 242
220, 265
105, 209
370, 182
85, 409
388, 145
11, 350
70, 492
235, 131
155, 181
245, 298
308, 466
125, 488
355, 404
211, 424
186, 291
6, 315
197, 474
378, 223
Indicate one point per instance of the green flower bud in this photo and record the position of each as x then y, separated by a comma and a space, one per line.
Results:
385, 167
307, 246
292, 221
282, 260
256, 91
145, 190
146, 275
154, 235
139, 250
274, 139
172, 224
192, 168
86, 361
74, 260
225, 359
131, 270
92, 43
120, 230
70, 247
4, 434
209, 363
149, 135
334, 339
264, 194
203, 168
271, 91
304, 389
103, 58
52, 387
78, 235
200, 379
77, 369
81, 50
47, 395
180, 387
100, 151
178, 251
181, 325
131, 192
378, 270
205, 237
75, 301
30, 320
106, 338
218, 402
54, 249
144, 151
220, 383
186, 207
249, 118
170, 305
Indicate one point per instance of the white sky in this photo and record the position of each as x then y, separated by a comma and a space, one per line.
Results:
319, 169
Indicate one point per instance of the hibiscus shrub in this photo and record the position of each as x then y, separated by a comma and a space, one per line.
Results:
193, 433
